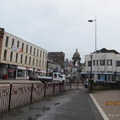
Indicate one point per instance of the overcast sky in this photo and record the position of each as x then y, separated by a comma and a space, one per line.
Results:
62, 25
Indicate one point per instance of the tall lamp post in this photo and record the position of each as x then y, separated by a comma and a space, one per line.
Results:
95, 76
91, 66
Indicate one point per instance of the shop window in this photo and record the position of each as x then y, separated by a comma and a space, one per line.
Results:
6, 42
21, 73
5, 54
11, 56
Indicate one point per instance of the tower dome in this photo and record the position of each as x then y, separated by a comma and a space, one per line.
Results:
76, 55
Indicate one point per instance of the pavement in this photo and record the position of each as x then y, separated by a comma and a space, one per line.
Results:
108, 103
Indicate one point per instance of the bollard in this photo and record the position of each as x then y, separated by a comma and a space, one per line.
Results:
31, 93
10, 96
53, 88
45, 85
60, 87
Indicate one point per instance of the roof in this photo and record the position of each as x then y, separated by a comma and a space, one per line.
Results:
104, 50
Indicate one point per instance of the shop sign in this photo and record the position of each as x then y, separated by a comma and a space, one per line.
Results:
22, 68
17, 49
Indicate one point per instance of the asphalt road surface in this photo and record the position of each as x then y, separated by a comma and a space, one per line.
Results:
71, 105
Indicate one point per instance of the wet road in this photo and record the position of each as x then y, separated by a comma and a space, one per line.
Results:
72, 105
79, 106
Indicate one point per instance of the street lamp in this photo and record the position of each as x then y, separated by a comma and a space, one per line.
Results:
95, 77
91, 66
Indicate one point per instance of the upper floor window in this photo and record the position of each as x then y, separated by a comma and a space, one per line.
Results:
33, 61
34, 51
89, 63
11, 56
37, 52
26, 59
17, 43
40, 53
102, 62
5, 54
29, 60
12, 43
6, 43
109, 62
117, 63
26, 48
16, 57
30, 49
22, 46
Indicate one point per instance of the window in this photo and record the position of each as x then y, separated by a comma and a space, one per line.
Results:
117, 63
29, 60
97, 62
43, 54
26, 48
22, 46
21, 59
6, 43
11, 56
89, 63
33, 61
109, 62
40, 63
102, 62
17, 43
40, 53
43, 63
16, 57
37, 52
12, 43
5, 54
93, 62
26, 59
36, 62
30, 49
34, 51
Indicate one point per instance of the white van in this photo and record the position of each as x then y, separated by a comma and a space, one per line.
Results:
58, 77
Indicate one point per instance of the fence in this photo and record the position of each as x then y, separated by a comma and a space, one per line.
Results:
103, 86
15, 95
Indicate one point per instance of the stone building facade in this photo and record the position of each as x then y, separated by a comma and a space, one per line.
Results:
19, 58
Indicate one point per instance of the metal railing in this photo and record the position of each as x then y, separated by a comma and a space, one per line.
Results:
19, 94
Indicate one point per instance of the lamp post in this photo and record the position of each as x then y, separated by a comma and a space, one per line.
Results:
91, 66
95, 76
